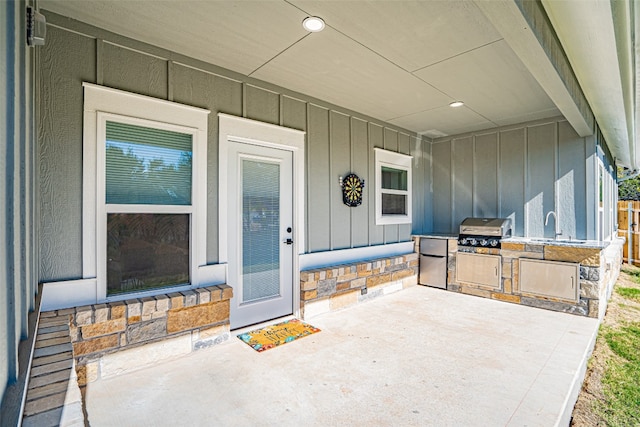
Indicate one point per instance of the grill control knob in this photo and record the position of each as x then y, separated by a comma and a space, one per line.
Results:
472, 241
484, 242
494, 242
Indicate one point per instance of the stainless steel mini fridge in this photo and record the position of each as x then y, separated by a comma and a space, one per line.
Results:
433, 262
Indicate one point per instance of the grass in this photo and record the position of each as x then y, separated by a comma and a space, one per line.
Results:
631, 293
633, 272
621, 376
629, 307
621, 382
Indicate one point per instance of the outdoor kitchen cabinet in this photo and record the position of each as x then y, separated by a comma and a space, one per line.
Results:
550, 279
479, 269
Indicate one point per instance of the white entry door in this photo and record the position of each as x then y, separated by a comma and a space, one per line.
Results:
260, 233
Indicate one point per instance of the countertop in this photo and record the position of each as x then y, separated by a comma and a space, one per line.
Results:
446, 236
574, 243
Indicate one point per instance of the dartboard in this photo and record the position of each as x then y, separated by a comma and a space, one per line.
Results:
352, 187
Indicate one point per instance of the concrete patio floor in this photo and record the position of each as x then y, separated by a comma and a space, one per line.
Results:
420, 356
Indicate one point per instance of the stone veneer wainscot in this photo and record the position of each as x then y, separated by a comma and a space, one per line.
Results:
154, 328
327, 289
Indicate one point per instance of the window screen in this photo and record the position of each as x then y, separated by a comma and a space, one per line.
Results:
394, 204
147, 166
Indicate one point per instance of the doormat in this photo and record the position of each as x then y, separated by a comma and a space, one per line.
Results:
274, 335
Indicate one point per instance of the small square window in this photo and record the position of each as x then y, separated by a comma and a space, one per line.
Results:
394, 179
393, 187
394, 204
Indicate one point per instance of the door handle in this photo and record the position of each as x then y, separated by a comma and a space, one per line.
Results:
289, 241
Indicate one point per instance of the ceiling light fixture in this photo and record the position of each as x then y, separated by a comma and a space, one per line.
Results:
456, 104
313, 24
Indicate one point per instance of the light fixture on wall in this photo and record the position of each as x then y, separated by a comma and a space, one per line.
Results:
36, 27
456, 104
313, 24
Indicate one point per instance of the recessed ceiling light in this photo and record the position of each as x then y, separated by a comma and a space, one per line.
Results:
456, 104
313, 24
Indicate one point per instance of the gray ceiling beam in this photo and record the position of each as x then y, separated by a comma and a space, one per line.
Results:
598, 38
526, 28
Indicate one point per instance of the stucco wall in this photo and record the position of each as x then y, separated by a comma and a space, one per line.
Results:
338, 141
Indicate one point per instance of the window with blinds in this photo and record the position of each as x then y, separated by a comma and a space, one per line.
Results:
147, 166
150, 168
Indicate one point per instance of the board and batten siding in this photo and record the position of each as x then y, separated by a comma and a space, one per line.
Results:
18, 230
338, 141
520, 172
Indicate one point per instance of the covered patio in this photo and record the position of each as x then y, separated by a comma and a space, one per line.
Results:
447, 110
420, 362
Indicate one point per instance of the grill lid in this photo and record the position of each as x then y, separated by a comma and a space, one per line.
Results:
500, 227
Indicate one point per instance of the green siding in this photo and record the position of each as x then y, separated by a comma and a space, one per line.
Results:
17, 227
338, 141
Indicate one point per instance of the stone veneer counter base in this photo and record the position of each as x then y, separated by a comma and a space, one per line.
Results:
599, 268
328, 289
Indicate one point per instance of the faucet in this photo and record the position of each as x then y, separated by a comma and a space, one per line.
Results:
546, 221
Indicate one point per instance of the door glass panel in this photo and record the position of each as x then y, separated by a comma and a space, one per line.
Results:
146, 251
147, 166
260, 230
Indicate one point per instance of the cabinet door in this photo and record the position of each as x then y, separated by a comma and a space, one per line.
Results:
479, 269
550, 279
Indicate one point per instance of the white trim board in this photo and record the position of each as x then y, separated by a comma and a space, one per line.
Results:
68, 293
76, 293
238, 129
102, 103
348, 256
398, 161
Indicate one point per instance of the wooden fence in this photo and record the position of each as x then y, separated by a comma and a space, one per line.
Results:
629, 228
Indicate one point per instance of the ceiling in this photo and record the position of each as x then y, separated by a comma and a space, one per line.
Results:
402, 62
399, 61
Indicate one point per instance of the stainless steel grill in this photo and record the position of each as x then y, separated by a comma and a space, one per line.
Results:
486, 232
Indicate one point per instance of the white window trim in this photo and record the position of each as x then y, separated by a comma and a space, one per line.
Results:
102, 103
396, 161
600, 193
